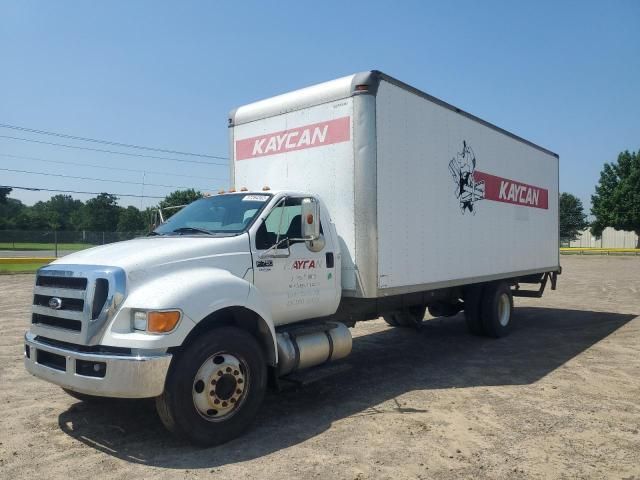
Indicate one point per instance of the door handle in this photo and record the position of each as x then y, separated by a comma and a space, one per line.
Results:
329, 257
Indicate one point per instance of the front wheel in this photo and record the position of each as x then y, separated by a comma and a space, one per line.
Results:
215, 387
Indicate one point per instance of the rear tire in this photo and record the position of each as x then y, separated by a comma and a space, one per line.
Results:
497, 308
410, 317
215, 387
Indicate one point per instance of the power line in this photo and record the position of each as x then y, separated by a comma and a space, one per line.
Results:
79, 164
112, 151
93, 178
34, 189
106, 142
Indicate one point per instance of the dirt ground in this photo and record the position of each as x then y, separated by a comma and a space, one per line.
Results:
559, 398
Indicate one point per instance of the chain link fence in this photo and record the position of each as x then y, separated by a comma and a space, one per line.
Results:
51, 243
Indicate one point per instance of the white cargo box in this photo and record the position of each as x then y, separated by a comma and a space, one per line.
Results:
423, 195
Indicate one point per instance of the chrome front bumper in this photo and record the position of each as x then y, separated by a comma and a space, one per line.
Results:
105, 375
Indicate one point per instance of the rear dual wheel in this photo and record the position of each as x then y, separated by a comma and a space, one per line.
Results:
488, 309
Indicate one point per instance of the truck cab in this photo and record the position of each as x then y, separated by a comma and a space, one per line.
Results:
111, 320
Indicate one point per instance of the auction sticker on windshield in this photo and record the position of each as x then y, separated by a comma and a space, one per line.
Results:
255, 198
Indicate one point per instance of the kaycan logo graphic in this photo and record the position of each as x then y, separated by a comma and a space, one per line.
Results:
307, 136
462, 167
473, 185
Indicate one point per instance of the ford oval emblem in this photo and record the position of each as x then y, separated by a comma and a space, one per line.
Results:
55, 303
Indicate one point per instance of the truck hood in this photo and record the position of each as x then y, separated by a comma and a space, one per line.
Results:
149, 252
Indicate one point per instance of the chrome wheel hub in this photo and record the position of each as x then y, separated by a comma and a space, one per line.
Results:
219, 386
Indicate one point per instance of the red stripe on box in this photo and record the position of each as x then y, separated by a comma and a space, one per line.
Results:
307, 136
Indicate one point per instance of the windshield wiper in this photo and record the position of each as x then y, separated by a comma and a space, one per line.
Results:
151, 234
192, 230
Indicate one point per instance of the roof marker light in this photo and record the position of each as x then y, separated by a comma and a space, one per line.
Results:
265, 188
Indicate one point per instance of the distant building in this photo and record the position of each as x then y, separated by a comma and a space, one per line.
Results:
610, 238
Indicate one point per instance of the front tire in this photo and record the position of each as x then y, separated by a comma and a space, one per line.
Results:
215, 387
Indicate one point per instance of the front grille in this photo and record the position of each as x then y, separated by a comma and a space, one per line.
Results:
64, 323
73, 303
69, 294
99, 297
74, 283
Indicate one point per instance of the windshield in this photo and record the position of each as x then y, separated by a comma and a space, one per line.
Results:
229, 214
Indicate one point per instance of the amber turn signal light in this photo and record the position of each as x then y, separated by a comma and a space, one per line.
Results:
162, 322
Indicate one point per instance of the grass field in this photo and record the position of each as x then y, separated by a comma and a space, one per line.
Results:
43, 246
21, 267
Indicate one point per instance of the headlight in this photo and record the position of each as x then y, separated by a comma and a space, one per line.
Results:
140, 321
156, 322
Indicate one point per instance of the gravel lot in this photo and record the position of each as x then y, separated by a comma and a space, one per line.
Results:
559, 398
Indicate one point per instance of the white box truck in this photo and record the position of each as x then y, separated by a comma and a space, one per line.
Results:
354, 199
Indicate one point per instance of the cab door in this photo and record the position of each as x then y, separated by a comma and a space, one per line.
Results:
298, 283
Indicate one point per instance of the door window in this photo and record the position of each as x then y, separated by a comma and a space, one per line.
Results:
284, 221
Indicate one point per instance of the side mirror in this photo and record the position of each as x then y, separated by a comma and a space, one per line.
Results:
310, 219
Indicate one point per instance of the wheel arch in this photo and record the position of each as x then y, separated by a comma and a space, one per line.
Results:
243, 318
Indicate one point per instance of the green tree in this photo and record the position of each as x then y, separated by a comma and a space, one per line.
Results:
572, 217
58, 211
100, 214
29, 219
616, 202
178, 198
9, 211
131, 220
4, 192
